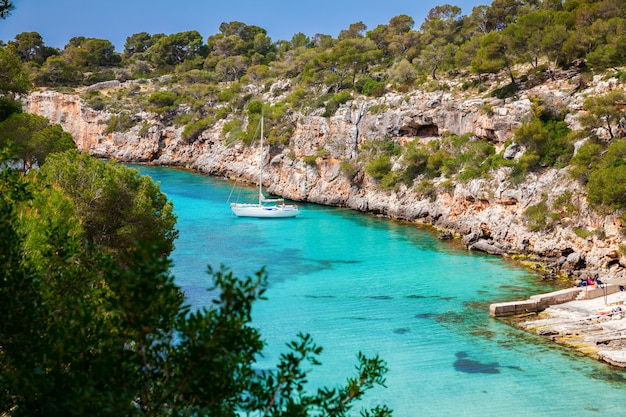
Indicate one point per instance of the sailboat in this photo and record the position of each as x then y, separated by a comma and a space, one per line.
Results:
272, 208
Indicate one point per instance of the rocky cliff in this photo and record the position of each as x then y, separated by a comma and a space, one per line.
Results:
486, 214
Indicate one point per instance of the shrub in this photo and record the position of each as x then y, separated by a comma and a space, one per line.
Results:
162, 101
347, 168
310, 159
537, 216
415, 159
119, 123
548, 140
607, 183
192, 131
563, 203
506, 91
583, 233
335, 101
296, 98
426, 189
233, 131
447, 186
379, 167
95, 100
370, 87
390, 180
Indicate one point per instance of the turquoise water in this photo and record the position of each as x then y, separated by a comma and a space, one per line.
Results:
359, 283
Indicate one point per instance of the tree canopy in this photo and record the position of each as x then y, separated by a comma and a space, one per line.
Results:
88, 331
544, 34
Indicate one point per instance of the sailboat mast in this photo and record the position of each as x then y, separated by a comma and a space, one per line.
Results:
261, 164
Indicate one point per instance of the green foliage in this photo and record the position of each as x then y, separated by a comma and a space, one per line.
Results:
8, 106
472, 158
297, 98
182, 119
13, 76
33, 138
334, 101
607, 183
547, 141
347, 168
604, 111
95, 100
174, 49
447, 186
415, 160
585, 161
310, 160
162, 101
57, 71
537, 216
119, 123
377, 108
508, 90
193, 130
118, 207
83, 334
233, 131
370, 87
487, 109
379, 167
255, 107
564, 204
426, 189
227, 95
583, 233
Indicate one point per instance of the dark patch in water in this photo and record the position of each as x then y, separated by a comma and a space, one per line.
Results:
450, 317
609, 376
380, 297
470, 366
480, 332
326, 264
424, 316
363, 319
402, 330
447, 298
416, 296
477, 305
319, 296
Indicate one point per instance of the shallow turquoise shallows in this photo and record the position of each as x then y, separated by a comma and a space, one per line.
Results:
359, 283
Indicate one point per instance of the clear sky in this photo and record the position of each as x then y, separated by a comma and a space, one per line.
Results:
57, 21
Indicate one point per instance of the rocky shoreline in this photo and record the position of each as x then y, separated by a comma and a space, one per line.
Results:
485, 214
594, 327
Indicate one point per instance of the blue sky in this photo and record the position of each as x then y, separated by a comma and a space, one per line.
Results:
57, 21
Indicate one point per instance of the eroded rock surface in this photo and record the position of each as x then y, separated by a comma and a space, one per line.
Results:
487, 214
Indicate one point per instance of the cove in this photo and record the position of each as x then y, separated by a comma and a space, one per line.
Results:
356, 282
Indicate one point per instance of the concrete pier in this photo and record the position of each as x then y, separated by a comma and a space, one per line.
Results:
540, 302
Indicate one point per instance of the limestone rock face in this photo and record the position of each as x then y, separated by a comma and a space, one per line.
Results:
489, 214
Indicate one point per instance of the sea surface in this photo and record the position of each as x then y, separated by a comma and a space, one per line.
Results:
356, 282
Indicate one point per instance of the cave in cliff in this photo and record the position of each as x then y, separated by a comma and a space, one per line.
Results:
419, 130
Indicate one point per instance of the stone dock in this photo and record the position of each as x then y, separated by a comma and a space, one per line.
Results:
591, 320
540, 302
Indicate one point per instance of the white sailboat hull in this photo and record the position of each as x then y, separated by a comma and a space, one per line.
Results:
264, 211
273, 208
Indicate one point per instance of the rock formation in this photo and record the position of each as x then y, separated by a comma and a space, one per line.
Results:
486, 213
